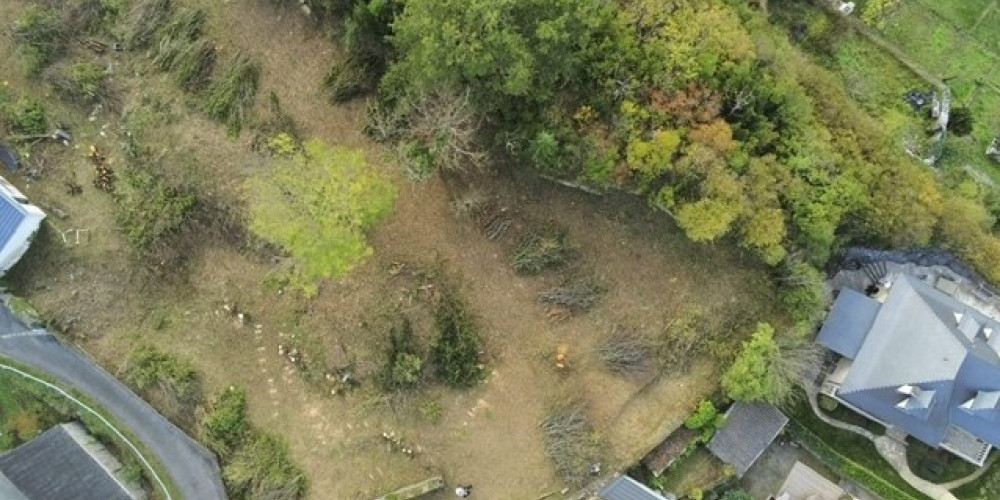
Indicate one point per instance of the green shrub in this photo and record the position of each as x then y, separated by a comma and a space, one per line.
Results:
703, 415
226, 426
183, 28
150, 209
402, 366
263, 470
82, 83
40, 38
194, 63
27, 116
456, 350
166, 379
230, 97
545, 248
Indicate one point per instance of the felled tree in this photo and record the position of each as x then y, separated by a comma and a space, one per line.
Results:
318, 205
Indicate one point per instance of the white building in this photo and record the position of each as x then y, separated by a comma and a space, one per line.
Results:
19, 220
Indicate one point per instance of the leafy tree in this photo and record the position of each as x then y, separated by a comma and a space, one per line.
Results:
707, 220
318, 205
512, 54
766, 370
749, 377
652, 158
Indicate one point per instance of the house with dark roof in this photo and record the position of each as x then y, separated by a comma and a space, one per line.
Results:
918, 360
19, 220
750, 428
626, 488
64, 463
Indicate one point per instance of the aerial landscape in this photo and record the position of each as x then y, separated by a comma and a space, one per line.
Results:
499, 249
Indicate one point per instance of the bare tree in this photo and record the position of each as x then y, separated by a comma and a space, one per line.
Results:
444, 122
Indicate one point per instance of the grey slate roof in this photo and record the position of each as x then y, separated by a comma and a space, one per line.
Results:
11, 216
847, 325
626, 488
926, 339
750, 428
53, 466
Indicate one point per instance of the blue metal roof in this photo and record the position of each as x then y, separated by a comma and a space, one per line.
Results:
11, 216
848, 324
626, 488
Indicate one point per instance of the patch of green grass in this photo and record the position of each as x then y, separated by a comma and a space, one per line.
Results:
963, 13
40, 39
699, 471
936, 465
988, 30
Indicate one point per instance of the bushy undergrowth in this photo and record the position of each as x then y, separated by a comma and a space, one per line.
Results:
146, 18
456, 352
230, 96
80, 83
256, 465
150, 209
40, 39
25, 116
402, 365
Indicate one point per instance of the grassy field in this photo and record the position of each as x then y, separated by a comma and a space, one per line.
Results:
111, 299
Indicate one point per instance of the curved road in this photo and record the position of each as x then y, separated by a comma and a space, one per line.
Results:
192, 468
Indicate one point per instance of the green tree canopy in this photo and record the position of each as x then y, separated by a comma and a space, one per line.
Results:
768, 369
318, 206
505, 51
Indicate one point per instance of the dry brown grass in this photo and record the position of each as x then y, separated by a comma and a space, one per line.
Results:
651, 273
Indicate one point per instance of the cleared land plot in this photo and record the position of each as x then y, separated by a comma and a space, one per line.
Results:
110, 300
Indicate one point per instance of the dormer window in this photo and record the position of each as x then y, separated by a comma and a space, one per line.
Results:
917, 399
983, 401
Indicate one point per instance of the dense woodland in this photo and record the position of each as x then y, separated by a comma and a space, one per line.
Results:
702, 107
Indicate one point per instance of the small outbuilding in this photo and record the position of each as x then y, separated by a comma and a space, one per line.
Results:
804, 483
626, 488
64, 463
19, 220
750, 428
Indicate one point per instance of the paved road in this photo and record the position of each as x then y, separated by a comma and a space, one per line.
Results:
191, 467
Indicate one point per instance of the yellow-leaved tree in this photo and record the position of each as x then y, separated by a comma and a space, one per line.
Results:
318, 205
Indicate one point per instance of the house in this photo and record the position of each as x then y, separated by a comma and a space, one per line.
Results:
626, 488
64, 463
749, 430
919, 361
19, 220
804, 483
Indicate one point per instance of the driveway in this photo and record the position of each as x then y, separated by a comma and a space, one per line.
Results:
190, 466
